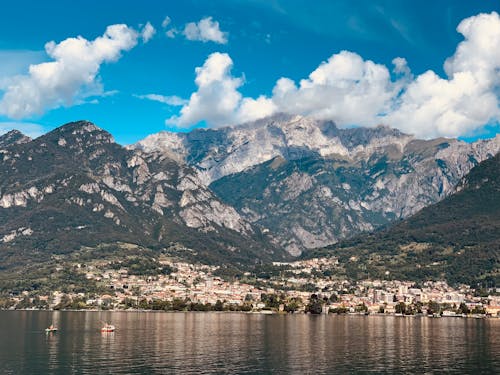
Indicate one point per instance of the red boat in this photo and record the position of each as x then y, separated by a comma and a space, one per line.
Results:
108, 328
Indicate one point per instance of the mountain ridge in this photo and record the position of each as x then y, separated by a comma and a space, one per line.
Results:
75, 187
343, 180
318, 185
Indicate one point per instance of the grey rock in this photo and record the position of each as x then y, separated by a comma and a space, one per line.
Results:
311, 184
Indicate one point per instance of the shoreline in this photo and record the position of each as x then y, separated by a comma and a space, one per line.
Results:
261, 312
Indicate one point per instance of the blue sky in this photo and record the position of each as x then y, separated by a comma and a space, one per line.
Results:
254, 58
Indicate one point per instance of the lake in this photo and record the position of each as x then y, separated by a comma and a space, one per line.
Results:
158, 343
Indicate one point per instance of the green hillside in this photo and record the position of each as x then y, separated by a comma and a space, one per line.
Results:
457, 239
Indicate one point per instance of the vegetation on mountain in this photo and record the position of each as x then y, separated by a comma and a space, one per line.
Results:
74, 188
73, 196
457, 239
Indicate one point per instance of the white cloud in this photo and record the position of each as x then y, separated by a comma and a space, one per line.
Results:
169, 100
217, 97
28, 128
171, 33
400, 66
353, 91
148, 31
71, 76
206, 30
217, 100
345, 88
253, 109
468, 98
166, 21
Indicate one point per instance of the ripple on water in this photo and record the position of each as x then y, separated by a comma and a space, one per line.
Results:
158, 343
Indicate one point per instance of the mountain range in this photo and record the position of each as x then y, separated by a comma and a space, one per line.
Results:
75, 187
257, 192
311, 184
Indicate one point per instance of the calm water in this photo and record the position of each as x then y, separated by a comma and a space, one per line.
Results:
157, 343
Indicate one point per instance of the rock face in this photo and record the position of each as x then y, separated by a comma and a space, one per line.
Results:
311, 184
236, 194
76, 187
457, 239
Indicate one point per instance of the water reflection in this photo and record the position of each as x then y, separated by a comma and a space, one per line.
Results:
244, 343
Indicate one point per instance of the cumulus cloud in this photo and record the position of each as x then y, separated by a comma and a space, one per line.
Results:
217, 100
400, 66
166, 21
70, 77
353, 91
345, 88
172, 33
169, 100
148, 31
468, 98
217, 97
206, 30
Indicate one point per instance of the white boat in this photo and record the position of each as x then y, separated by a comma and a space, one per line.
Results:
51, 329
107, 328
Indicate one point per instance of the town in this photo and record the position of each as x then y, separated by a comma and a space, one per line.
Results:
297, 287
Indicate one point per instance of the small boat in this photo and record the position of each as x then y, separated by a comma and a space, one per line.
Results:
51, 329
107, 328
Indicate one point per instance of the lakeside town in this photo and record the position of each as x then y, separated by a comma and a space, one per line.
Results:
298, 287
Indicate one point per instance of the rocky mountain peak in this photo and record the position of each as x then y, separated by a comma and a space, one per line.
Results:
228, 150
78, 134
75, 187
13, 137
312, 183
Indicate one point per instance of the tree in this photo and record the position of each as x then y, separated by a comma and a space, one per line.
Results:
128, 303
478, 310
334, 298
179, 304
270, 300
418, 307
246, 307
361, 308
6, 303
433, 308
143, 304
463, 309
315, 305
219, 306
400, 308
293, 305
338, 310
25, 303
198, 306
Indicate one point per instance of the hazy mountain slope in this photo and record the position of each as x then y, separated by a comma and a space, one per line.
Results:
457, 239
311, 184
75, 187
